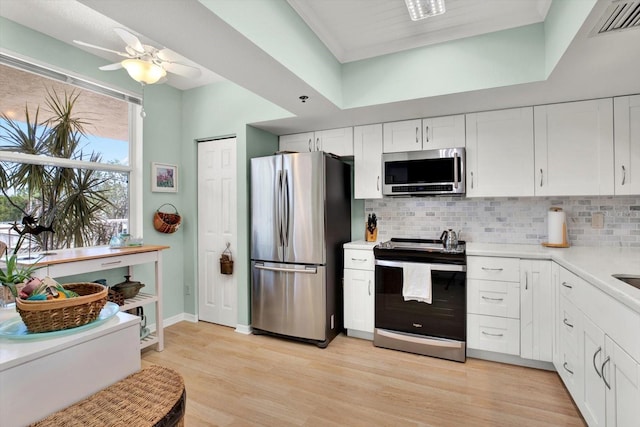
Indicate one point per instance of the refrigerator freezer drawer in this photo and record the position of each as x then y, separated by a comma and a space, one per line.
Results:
289, 299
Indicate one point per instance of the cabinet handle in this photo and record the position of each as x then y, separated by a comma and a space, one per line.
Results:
492, 269
624, 174
378, 183
426, 130
567, 323
492, 299
358, 259
567, 369
417, 132
310, 140
566, 285
492, 335
317, 144
369, 288
471, 179
526, 281
594, 361
541, 175
607, 360
106, 264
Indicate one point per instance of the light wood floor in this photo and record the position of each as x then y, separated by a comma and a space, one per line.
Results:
255, 380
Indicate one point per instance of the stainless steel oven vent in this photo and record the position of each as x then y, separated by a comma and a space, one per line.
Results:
620, 15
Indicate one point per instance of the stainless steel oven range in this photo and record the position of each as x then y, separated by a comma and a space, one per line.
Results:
420, 298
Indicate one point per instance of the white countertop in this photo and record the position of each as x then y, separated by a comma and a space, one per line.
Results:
594, 264
16, 352
360, 244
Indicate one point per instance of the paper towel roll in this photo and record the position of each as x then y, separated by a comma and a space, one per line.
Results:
556, 225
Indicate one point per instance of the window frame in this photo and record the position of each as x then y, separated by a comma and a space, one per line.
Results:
135, 167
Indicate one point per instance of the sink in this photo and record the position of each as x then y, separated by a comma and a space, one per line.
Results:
631, 280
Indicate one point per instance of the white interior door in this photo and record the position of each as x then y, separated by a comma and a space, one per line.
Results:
217, 226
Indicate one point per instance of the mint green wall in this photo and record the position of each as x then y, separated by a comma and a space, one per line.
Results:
278, 30
162, 143
223, 109
492, 60
563, 22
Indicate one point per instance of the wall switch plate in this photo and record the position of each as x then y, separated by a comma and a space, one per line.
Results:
597, 220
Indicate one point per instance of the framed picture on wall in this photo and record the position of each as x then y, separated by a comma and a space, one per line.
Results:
164, 178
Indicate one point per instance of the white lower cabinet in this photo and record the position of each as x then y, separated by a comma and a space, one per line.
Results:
359, 288
602, 377
536, 320
358, 300
493, 304
493, 333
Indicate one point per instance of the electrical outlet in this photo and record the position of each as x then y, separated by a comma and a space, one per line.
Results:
187, 290
597, 220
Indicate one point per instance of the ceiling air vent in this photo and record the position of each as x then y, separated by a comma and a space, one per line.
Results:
620, 15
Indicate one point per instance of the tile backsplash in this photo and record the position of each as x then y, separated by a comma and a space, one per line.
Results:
509, 220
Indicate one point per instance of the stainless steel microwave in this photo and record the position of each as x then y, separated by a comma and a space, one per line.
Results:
424, 173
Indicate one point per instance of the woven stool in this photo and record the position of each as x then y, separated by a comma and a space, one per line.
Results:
154, 396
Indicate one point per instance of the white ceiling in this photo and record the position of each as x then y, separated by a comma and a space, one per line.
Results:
359, 29
351, 29
69, 20
591, 67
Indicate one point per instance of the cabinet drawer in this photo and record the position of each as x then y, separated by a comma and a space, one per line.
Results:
493, 268
570, 285
97, 264
359, 259
570, 325
498, 334
493, 298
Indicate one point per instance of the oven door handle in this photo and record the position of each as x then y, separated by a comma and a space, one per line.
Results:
433, 267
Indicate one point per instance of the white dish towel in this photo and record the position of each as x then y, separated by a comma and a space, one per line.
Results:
416, 280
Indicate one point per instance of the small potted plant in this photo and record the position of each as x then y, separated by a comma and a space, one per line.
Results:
12, 273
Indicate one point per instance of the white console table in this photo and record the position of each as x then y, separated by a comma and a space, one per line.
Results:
67, 262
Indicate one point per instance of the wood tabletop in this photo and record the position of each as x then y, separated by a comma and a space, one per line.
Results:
59, 256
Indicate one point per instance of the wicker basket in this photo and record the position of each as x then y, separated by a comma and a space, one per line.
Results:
48, 316
115, 297
166, 222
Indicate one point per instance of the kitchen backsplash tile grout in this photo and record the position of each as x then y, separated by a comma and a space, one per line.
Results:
509, 220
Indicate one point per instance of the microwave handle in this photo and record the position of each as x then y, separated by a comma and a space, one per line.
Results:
455, 170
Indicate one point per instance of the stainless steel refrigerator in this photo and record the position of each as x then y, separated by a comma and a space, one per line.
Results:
301, 217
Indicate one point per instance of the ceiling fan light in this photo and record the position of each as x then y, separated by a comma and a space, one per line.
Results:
420, 9
143, 71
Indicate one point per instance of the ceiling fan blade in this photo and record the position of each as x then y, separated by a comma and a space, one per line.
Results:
167, 54
81, 43
181, 69
130, 39
111, 67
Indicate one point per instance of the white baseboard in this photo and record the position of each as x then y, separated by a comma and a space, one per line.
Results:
510, 359
243, 329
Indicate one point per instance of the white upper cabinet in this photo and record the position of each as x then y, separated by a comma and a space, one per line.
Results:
443, 132
299, 142
574, 148
500, 153
402, 136
367, 160
626, 123
336, 141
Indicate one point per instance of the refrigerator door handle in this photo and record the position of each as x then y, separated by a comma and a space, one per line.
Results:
285, 222
307, 270
279, 209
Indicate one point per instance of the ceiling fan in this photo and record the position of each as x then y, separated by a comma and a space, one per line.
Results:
144, 63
